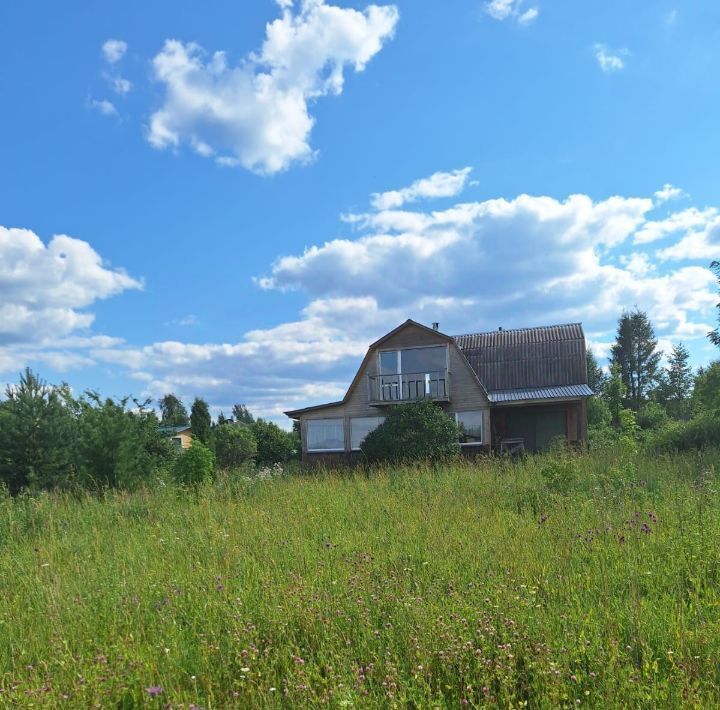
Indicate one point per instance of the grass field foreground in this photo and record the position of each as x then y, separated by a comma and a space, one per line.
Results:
560, 580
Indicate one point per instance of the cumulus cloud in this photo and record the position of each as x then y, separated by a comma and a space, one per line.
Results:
45, 289
440, 184
256, 113
609, 60
114, 50
472, 266
669, 192
510, 9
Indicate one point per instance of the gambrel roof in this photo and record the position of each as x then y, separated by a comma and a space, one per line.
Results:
527, 358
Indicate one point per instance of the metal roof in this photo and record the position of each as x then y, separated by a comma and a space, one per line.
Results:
540, 393
521, 336
527, 358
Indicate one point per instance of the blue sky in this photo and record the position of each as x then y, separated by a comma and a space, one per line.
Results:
250, 193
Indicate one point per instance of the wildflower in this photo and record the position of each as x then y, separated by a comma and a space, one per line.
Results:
154, 690
244, 669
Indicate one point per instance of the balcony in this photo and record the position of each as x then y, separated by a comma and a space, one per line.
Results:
409, 387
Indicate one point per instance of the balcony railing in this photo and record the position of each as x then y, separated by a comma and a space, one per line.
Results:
409, 387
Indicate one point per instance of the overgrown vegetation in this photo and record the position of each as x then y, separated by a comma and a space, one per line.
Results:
553, 581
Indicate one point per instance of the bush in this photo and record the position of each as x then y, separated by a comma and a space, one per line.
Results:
274, 445
419, 430
698, 433
599, 414
194, 466
651, 416
234, 445
706, 395
560, 475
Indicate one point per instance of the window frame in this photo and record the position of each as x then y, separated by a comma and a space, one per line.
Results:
482, 427
399, 351
324, 419
380, 419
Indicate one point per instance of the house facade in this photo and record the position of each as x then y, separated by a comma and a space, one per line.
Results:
508, 389
180, 436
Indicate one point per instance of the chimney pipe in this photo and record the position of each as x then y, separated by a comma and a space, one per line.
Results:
436, 326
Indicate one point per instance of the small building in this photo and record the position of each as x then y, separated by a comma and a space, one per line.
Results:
509, 389
181, 436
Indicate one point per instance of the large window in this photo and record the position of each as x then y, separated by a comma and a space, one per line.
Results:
413, 360
326, 435
360, 427
470, 427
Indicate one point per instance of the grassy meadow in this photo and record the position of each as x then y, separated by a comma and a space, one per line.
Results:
555, 581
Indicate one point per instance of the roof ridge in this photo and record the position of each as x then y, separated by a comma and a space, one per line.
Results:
517, 330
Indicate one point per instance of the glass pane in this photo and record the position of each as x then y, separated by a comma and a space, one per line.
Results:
471, 425
361, 427
325, 434
420, 360
388, 362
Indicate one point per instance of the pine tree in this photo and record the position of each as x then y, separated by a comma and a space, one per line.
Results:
595, 375
714, 335
634, 354
172, 411
37, 435
200, 421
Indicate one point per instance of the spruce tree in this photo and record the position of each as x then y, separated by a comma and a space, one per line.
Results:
200, 421
678, 382
635, 355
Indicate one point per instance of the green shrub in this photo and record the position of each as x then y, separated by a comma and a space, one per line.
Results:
194, 466
698, 433
706, 395
274, 445
419, 430
651, 416
598, 411
234, 445
560, 475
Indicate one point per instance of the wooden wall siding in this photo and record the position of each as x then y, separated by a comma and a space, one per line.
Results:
528, 365
411, 337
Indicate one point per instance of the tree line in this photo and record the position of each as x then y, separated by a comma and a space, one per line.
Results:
51, 439
673, 405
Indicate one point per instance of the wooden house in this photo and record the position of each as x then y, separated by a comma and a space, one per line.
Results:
181, 436
509, 389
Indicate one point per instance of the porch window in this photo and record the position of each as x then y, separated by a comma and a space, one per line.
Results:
471, 428
326, 435
360, 427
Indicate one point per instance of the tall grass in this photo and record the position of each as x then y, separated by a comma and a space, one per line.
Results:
554, 581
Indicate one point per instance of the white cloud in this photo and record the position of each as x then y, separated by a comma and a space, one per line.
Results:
105, 107
525, 261
256, 113
609, 60
119, 85
504, 9
114, 50
669, 192
44, 289
702, 243
440, 184
688, 219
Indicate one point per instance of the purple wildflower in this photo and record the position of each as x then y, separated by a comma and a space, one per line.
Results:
154, 690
